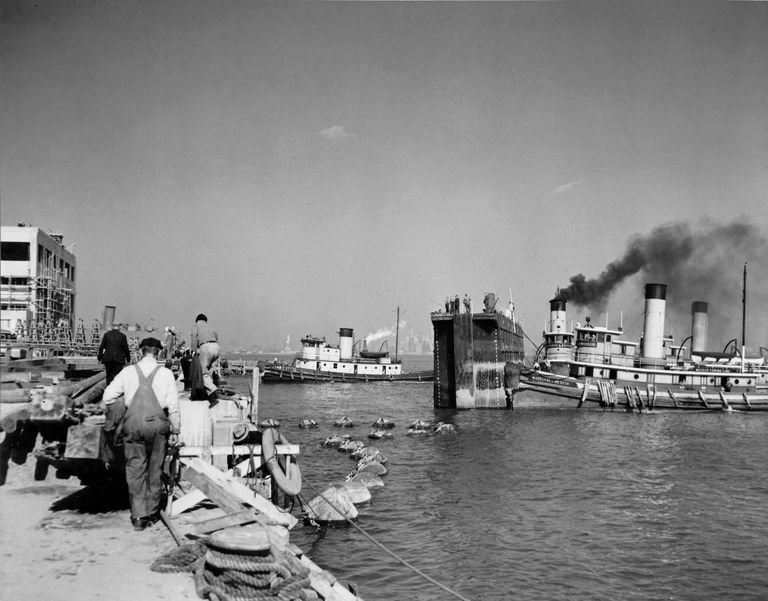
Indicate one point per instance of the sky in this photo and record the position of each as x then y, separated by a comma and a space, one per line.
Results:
293, 168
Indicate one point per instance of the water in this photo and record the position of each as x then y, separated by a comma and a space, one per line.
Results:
540, 504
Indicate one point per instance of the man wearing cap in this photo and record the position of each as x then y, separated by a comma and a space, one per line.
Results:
205, 342
151, 421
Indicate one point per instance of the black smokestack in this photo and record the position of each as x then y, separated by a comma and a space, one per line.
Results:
697, 261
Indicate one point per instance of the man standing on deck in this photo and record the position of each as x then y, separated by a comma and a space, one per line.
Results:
169, 342
205, 342
151, 421
113, 352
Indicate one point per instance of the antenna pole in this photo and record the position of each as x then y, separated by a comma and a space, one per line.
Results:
397, 332
744, 310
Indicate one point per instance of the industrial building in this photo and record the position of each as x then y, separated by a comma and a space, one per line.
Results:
37, 283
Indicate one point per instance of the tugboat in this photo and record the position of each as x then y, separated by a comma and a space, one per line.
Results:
594, 364
320, 361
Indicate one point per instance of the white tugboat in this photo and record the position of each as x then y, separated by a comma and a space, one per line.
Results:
320, 361
595, 364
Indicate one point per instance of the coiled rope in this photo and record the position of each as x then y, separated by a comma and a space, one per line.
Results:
392, 554
229, 576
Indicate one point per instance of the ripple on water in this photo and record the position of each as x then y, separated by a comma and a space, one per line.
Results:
541, 504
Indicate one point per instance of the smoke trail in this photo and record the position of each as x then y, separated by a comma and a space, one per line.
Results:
378, 334
698, 262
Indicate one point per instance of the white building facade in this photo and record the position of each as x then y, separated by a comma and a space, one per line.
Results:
37, 280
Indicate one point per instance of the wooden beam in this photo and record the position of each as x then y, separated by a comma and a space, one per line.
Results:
240, 518
219, 482
171, 528
188, 501
196, 451
212, 490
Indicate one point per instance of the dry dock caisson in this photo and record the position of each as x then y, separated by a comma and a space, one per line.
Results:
477, 356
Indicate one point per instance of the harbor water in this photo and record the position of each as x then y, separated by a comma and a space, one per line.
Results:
532, 504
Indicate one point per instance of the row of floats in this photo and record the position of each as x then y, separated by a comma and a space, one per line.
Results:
337, 503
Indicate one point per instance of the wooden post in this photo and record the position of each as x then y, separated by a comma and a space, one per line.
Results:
254, 413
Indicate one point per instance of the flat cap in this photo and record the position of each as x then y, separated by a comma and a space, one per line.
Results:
151, 342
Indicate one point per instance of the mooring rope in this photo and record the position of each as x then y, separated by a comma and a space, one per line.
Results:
392, 554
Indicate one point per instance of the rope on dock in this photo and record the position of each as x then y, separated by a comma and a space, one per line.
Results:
392, 554
229, 576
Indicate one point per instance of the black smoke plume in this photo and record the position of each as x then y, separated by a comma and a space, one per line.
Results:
698, 262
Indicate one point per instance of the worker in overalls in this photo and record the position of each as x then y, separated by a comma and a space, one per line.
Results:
150, 423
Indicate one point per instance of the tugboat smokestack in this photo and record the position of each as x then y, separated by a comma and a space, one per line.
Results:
653, 329
557, 316
699, 326
345, 343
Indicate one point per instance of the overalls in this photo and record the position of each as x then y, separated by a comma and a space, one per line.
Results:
146, 429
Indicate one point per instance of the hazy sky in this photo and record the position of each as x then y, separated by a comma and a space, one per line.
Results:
300, 167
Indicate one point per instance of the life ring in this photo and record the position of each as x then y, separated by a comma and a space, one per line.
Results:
289, 484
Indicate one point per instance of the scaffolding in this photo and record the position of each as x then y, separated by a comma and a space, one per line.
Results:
53, 307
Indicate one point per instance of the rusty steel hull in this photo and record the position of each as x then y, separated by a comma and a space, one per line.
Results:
477, 358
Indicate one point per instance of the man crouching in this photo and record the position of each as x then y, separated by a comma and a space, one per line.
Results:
151, 421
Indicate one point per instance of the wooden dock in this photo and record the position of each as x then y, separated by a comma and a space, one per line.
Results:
241, 498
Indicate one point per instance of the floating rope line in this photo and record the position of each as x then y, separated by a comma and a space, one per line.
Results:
392, 554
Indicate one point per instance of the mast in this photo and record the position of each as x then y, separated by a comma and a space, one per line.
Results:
744, 321
397, 332
744, 311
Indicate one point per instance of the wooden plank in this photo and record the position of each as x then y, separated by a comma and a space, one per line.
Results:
238, 491
196, 425
198, 451
244, 466
171, 528
247, 516
342, 593
254, 408
188, 501
672, 396
213, 491
584, 394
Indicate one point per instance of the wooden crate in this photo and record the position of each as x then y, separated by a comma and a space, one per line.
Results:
197, 420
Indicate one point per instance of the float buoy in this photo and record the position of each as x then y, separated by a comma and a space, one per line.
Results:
289, 483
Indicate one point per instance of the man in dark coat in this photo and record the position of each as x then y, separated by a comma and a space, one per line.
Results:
113, 352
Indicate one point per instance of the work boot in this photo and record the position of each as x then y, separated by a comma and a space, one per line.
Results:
213, 399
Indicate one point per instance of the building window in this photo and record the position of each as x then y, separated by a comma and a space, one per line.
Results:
14, 251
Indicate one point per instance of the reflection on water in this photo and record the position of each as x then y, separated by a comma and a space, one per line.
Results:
540, 504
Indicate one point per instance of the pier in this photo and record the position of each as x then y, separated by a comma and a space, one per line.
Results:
219, 486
